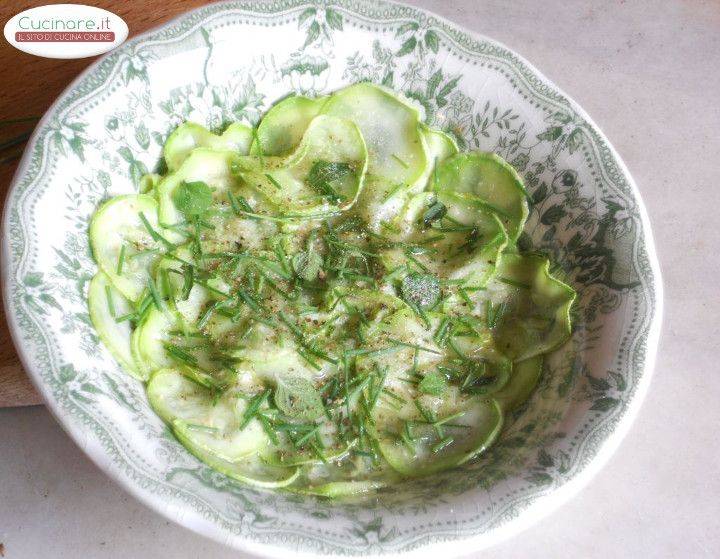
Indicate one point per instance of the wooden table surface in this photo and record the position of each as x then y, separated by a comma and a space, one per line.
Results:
30, 85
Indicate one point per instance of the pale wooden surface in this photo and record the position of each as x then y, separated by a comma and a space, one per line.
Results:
30, 85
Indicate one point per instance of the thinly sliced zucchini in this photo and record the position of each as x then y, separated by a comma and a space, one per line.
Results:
213, 167
390, 126
306, 457
536, 315
189, 135
323, 176
487, 182
210, 424
337, 489
148, 341
123, 245
382, 201
107, 304
524, 378
171, 277
282, 128
148, 182
249, 470
428, 451
471, 249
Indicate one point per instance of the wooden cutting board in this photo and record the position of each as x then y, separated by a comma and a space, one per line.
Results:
31, 84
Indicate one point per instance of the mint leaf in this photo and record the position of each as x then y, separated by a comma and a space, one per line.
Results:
297, 397
192, 198
435, 211
420, 290
326, 177
433, 383
307, 265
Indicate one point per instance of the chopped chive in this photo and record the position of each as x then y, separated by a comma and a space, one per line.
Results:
154, 234
253, 408
415, 346
269, 431
400, 160
464, 296
179, 354
514, 283
395, 189
129, 316
249, 301
415, 261
155, 294
121, 260
110, 303
274, 181
443, 443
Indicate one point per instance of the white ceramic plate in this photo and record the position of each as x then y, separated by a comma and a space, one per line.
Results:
230, 61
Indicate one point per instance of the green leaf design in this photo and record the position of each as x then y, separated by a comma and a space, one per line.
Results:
126, 154
599, 384
545, 460
307, 14
540, 478
407, 47
313, 33
448, 87
142, 136
540, 194
604, 404
553, 214
434, 82
50, 300
618, 379
334, 19
575, 140
205, 35
405, 27
432, 41
76, 145
136, 170
389, 79
551, 134
33, 279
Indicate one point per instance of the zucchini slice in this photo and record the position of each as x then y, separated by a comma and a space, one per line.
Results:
190, 135
323, 176
390, 126
430, 452
106, 305
488, 182
249, 470
211, 425
123, 245
337, 489
524, 378
382, 201
213, 167
148, 341
536, 313
282, 128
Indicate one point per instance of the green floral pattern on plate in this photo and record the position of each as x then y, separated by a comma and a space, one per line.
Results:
107, 130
